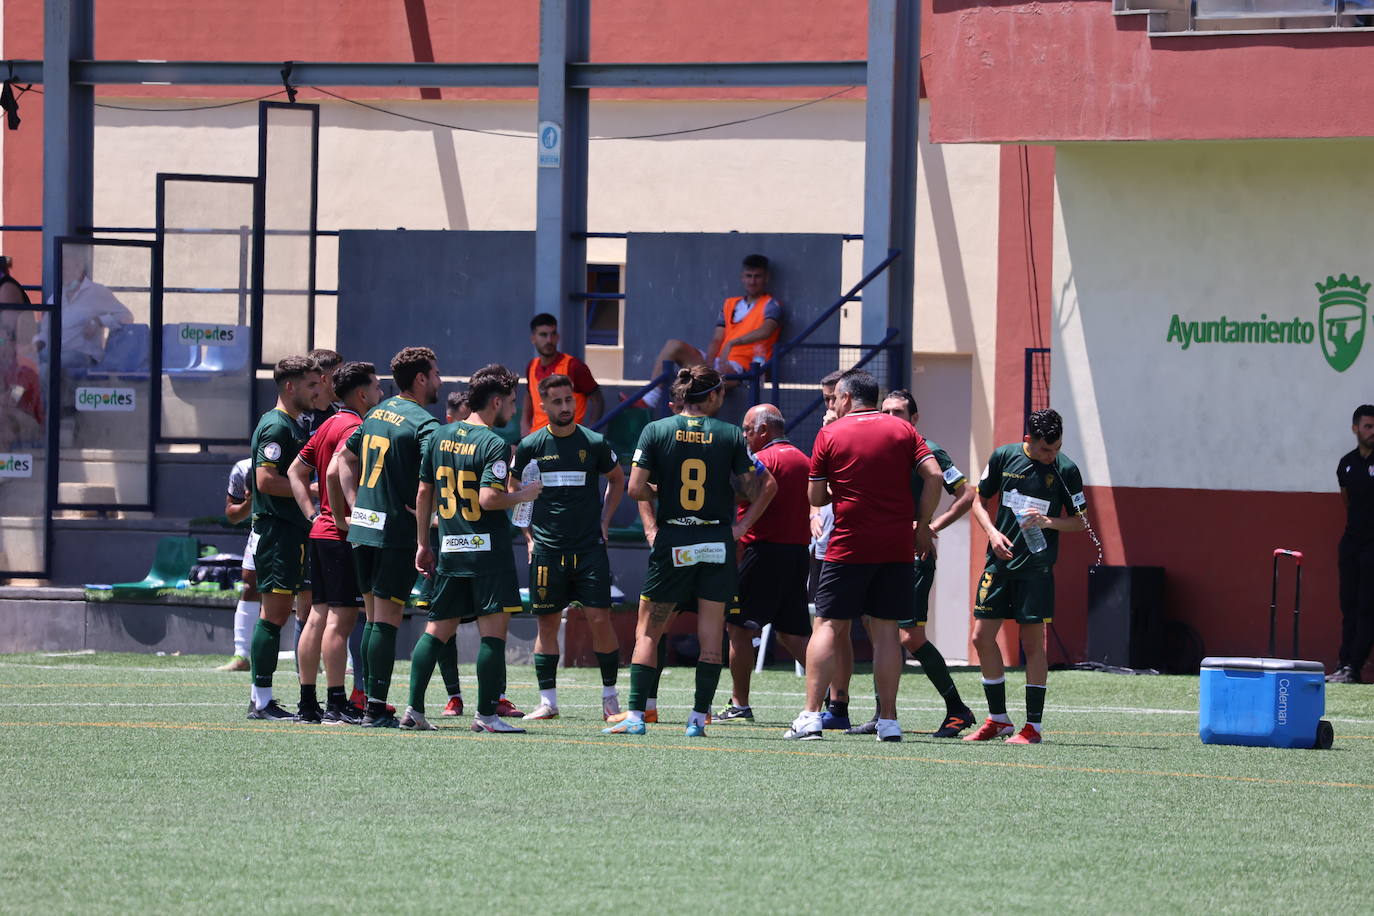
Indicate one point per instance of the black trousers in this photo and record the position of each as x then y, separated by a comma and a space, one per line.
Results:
1356, 568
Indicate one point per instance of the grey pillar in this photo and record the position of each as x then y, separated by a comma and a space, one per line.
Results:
68, 125
893, 115
560, 260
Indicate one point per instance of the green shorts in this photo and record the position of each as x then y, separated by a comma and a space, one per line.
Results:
387, 573
559, 579
280, 555
920, 597
469, 597
699, 566
1026, 595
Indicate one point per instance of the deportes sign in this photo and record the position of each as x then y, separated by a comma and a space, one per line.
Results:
12, 465
104, 399
211, 335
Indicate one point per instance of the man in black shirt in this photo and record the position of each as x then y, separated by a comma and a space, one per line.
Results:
1355, 558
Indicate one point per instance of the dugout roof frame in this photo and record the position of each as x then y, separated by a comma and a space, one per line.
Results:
563, 77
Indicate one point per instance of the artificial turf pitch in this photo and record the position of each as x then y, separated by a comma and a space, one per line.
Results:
134, 783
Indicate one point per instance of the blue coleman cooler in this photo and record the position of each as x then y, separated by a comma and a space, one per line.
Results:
1263, 702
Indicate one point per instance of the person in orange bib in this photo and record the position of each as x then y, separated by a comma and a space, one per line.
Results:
586, 392
747, 328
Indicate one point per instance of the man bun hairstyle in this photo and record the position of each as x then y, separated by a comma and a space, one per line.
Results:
1364, 410
695, 384
490, 381
327, 359
860, 386
543, 320
290, 368
352, 376
553, 381
756, 262
1046, 425
410, 363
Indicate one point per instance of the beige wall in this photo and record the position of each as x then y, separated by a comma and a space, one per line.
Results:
1205, 230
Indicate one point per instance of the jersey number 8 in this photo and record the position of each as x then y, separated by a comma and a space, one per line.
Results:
693, 492
452, 486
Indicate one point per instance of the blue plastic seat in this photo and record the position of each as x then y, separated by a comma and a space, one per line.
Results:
177, 354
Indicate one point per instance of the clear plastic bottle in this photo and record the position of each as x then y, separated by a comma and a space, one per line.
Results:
1035, 536
524, 512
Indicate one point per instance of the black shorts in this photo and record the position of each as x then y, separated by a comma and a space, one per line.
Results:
387, 573
920, 598
847, 591
772, 589
559, 579
331, 565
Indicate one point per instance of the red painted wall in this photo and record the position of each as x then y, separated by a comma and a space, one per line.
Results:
1217, 551
1070, 70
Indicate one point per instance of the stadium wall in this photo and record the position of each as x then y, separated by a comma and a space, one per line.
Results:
1202, 456
1026, 71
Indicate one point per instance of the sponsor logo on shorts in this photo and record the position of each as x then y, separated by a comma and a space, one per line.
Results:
465, 543
12, 465
692, 554
95, 399
565, 478
367, 518
983, 585
212, 335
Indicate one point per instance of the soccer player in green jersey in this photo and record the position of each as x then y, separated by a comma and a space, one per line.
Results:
383, 457
695, 466
567, 539
280, 526
1034, 485
466, 476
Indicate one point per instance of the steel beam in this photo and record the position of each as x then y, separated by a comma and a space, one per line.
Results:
581, 75
560, 246
894, 29
68, 128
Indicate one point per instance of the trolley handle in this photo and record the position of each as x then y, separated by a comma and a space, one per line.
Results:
1285, 552
1274, 597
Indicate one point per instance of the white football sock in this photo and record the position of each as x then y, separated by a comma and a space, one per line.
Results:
696, 718
262, 696
634, 715
608, 692
245, 618
550, 697
651, 704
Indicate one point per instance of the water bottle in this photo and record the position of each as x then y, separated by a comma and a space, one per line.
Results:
758, 359
525, 511
1035, 536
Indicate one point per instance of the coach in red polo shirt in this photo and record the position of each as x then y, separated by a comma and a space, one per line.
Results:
774, 558
862, 463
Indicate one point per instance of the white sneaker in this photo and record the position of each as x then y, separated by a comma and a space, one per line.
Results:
542, 711
610, 706
414, 721
805, 728
889, 730
495, 725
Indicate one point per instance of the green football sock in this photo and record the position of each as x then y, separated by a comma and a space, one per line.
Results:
933, 664
643, 685
1035, 703
546, 670
262, 652
381, 661
422, 661
609, 662
491, 674
362, 654
708, 679
997, 697
448, 666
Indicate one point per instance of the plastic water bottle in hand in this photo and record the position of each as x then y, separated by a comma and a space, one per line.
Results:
525, 511
1035, 536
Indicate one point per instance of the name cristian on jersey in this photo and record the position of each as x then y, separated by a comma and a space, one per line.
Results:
458, 448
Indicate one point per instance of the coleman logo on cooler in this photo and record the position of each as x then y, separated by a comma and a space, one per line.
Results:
692, 554
368, 518
464, 543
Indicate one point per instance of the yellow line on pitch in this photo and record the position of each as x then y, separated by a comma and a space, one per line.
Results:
644, 747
